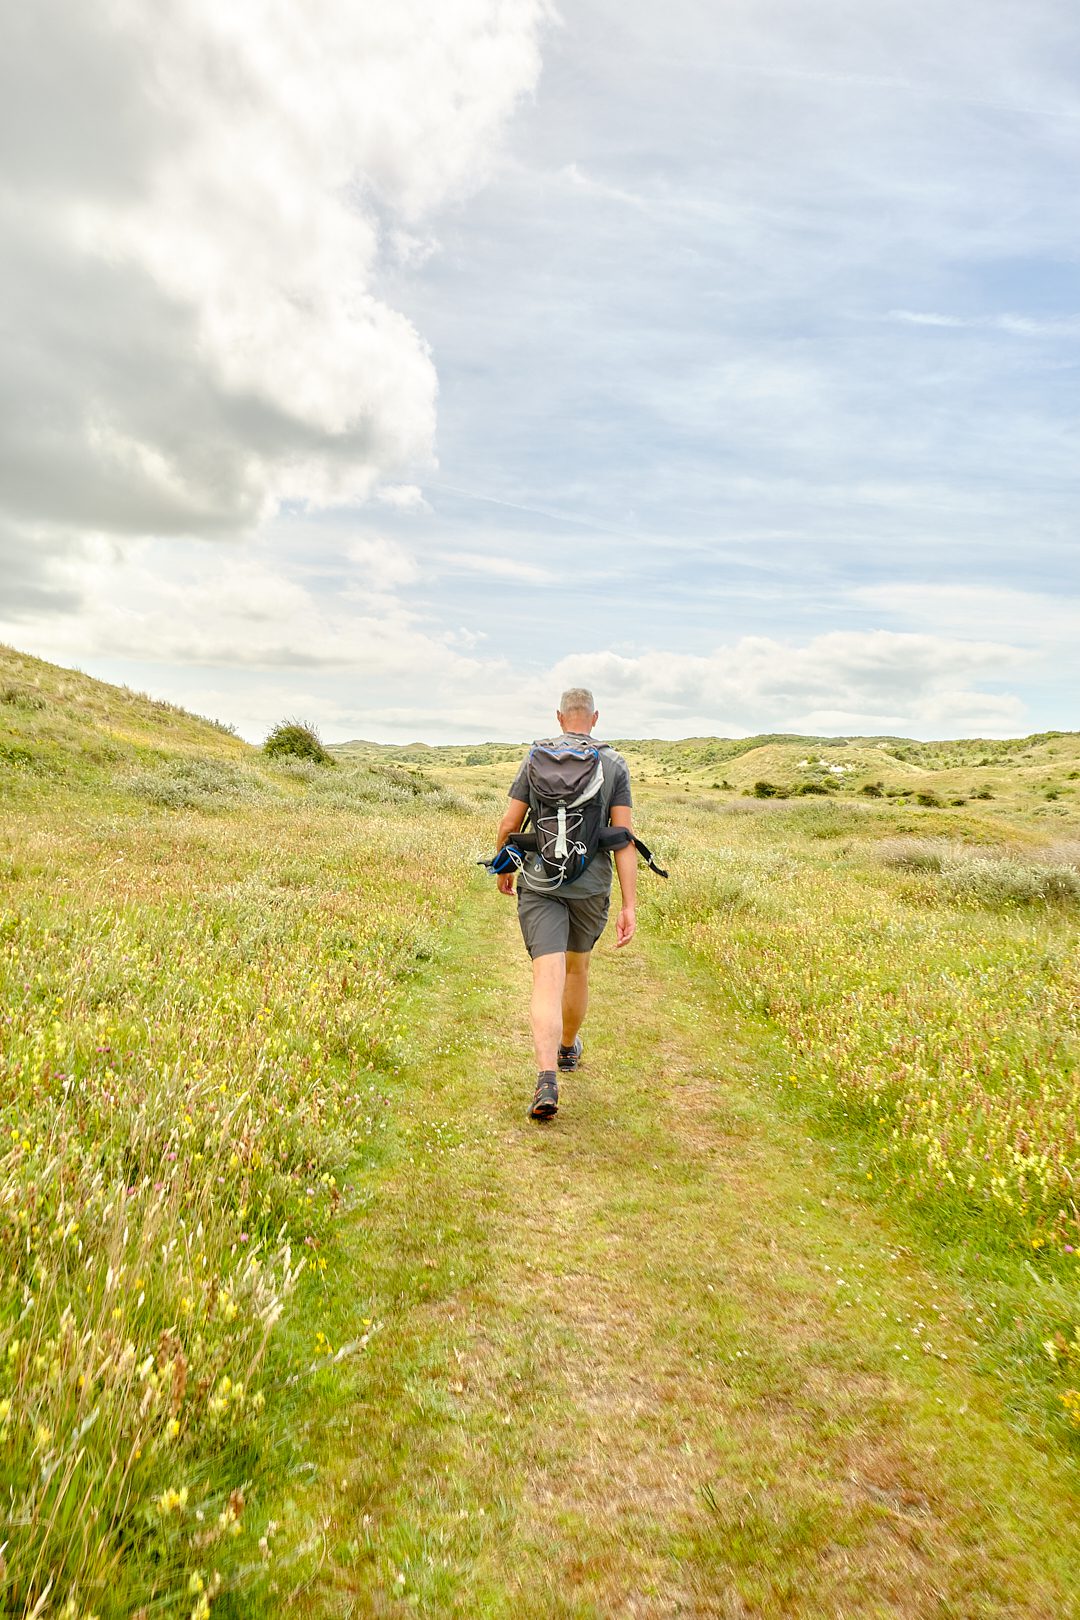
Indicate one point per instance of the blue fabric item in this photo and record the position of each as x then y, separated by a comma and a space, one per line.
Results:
504, 861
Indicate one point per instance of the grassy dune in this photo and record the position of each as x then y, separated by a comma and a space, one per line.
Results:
265, 1183
921, 1005
1036, 776
199, 960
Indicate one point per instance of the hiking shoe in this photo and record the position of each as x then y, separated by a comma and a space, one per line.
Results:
546, 1097
570, 1056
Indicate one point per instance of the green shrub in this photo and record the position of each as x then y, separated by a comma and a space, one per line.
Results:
298, 740
361, 786
198, 784
930, 800
871, 790
768, 790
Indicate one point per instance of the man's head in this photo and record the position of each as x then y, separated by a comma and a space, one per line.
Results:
577, 711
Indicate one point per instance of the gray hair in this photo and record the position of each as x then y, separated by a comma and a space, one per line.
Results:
577, 700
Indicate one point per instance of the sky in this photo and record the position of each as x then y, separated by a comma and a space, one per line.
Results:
393, 367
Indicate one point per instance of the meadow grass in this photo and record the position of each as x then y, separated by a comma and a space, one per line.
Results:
920, 999
203, 954
199, 963
655, 1358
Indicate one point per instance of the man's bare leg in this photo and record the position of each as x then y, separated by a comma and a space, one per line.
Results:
549, 978
575, 996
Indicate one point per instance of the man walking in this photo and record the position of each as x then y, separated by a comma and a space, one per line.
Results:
561, 925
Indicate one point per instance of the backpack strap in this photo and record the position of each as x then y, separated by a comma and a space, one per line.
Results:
613, 838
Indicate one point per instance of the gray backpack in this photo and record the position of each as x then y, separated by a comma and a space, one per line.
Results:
566, 805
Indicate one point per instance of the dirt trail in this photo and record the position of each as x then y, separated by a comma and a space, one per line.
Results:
648, 1359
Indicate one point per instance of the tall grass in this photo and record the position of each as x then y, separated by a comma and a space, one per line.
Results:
929, 1003
197, 1011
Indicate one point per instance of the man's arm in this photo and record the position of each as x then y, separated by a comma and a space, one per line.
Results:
510, 824
626, 870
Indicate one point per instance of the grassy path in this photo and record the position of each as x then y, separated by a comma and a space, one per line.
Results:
648, 1359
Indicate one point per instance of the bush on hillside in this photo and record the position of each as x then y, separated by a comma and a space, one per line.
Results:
295, 739
768, 790
197, 784
359, 787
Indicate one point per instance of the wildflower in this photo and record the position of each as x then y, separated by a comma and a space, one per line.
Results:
1071, 1402
195, 1584
172, 1429
172, 1501
42, 1435
5, 1411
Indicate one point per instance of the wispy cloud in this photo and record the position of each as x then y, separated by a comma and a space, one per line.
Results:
1017, 325
590, 186
492, 566
403, 497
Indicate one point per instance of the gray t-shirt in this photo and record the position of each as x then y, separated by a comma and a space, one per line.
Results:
596, 878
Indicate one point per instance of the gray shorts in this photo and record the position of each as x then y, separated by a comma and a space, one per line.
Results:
555, 922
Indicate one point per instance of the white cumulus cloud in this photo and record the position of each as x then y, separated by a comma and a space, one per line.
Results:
195, 203
845, 681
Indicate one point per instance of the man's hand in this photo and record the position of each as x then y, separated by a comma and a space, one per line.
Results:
625, 927
508, 826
